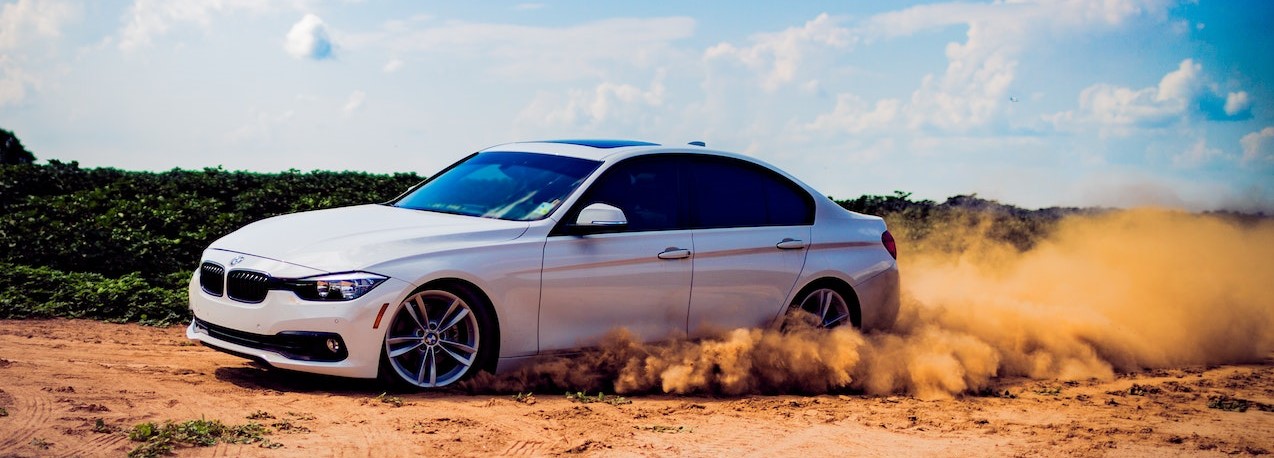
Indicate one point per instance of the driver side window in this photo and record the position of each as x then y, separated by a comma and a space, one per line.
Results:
648, 190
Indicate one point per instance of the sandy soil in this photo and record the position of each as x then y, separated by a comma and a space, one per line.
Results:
59, 377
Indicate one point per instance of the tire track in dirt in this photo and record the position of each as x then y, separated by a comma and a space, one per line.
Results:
102, 445
31, 414
371, 438
523, 438
525, 448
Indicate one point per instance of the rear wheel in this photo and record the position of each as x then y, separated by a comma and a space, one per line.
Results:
827, 305
435, 338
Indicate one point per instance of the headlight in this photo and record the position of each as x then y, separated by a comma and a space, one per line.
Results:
334, 287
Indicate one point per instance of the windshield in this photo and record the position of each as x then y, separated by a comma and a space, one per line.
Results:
503, 185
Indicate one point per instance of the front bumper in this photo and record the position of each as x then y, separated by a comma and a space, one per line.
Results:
287, 332
298, 345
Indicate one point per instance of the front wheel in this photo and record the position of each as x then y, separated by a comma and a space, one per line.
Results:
434, 339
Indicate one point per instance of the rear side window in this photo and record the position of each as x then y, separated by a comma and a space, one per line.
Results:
732, 193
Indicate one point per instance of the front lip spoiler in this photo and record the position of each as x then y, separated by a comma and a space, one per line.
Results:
253, 358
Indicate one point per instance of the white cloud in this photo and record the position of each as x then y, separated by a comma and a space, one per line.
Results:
1197, 155
262, 127
528, 6
28, 20
28, 28
1236, 103
1120, 107
853, 115
392, 66
1180, 94
1258, 147
1014, 17
778, 56
982, 70
308, 38
354, 102
148, 19
586, 51
607, 102
1181, 85
14, 82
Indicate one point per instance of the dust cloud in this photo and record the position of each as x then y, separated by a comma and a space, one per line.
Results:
1101, 294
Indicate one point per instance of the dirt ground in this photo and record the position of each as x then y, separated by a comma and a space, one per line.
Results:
58, 378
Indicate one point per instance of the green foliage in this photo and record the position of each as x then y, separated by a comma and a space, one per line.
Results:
12, 151
100, 427
160, 440
393, 401
113, 222
121, 246
42, 292
584, 398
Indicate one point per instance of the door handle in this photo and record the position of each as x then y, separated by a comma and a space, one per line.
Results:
674, 253
791, 244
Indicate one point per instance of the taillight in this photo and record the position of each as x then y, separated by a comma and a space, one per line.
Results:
887, 239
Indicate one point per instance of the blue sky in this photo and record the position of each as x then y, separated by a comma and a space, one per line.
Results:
1101, 102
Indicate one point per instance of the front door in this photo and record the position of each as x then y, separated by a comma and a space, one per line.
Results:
637, 279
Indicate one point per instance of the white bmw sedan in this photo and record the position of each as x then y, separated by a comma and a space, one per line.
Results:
538, 248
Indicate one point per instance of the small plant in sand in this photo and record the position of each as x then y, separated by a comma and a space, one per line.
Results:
386, 398
666, 429
584, 398
100, 427
524, 398
1048, 390
159, 440
1223, 402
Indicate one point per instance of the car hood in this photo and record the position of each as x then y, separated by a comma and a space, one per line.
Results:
352, 238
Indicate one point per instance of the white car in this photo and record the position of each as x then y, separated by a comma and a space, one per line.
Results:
538, 248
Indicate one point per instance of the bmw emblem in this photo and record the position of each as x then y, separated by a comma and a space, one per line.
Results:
236, 260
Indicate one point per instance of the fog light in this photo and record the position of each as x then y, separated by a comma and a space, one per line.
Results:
333, 345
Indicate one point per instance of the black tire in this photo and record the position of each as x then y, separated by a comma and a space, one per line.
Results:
437, 336
825, 305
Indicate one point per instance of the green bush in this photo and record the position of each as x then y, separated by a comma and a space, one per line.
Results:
115, 223
42, 292
116, 245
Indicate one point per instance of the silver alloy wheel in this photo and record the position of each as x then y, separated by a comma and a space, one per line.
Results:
828, 305
432, 339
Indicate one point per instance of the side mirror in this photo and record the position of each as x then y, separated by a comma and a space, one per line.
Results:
599, 218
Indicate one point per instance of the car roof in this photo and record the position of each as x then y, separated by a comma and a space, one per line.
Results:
616, 150
595, 149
